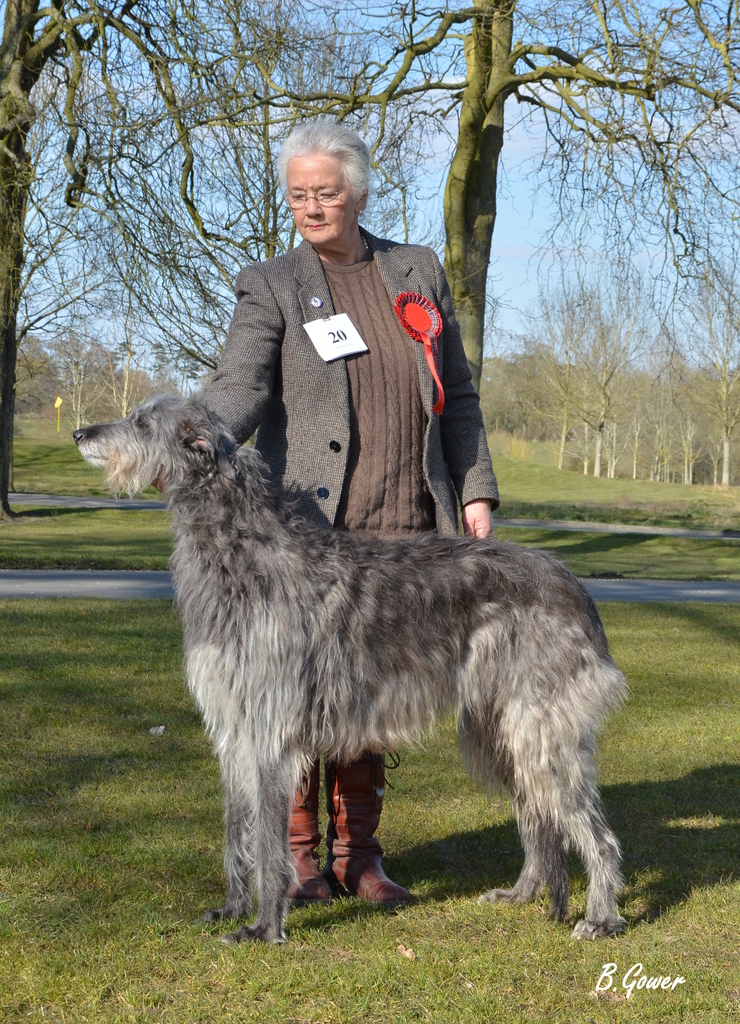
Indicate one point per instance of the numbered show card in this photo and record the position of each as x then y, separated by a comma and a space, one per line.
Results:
335, 337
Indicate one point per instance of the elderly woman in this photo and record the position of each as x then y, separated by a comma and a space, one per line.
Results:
354, 441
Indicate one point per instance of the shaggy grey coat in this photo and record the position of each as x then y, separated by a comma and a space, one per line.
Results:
271, 376
302, 642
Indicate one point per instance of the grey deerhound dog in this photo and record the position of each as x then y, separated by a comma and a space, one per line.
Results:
302, 642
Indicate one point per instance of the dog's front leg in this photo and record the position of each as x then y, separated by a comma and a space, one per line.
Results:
238, 855
273, 873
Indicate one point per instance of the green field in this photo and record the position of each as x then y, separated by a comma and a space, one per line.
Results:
532, 491
114, 539
112, 848
109, 539
54, 466
528, 490
65, 538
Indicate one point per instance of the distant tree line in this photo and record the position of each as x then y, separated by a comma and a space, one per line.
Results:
620, 390
137, 144
95, 380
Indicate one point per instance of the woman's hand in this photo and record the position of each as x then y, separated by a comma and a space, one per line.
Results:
477, 518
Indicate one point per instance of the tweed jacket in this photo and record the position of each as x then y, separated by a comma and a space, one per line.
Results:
272, 378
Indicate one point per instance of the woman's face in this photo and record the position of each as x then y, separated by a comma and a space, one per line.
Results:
330, 229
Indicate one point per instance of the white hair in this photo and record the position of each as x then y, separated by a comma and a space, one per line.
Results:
335, 140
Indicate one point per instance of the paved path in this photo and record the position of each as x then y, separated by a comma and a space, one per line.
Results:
67, 501
569, 525
107, 583
576, 526
122, 584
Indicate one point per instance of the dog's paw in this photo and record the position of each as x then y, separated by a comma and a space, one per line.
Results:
225, 913
254, 933
599, 929
210, 916
500, 896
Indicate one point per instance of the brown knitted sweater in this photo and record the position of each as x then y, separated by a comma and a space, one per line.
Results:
384, 488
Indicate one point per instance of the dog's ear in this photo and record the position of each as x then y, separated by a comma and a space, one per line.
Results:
213, 447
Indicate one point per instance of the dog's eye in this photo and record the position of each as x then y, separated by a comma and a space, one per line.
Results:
141, 423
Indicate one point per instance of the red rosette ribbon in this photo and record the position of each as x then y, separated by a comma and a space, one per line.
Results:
421, 320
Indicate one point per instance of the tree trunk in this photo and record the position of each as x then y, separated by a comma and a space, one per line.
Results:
16, 115
726, 461
13, 194
597, 453
7, 398
470, 191
612, 471
563, 439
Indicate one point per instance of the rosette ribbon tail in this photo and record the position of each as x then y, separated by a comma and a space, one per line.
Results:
431, 352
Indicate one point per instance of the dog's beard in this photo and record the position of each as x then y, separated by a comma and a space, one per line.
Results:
126, 474
92, 453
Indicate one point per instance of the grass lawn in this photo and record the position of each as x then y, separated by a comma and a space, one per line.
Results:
65, 538
528, 489
54, 466
636, 556
533, 491
113, 539
112, 847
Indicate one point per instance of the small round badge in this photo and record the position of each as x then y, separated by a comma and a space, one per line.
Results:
316, 302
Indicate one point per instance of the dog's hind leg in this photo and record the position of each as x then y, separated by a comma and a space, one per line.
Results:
599, 848
544, 864
489, 759
274, 790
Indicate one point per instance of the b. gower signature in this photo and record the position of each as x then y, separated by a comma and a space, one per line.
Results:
636, 979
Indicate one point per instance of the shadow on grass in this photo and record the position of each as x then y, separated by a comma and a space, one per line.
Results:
676, 836
54, 512
703, 617
635, 513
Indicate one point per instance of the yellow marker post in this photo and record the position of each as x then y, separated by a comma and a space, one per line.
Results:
57, 406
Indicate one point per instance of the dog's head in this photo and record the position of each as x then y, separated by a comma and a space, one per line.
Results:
166, 441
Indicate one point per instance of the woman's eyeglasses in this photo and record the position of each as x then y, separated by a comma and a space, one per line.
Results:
297, 200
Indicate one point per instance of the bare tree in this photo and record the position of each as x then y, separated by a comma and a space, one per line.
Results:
171, 111
560, 326
715, 340
639, 106
126, 382
637, 102
55, 274
616, 440
614, 336
685, 385
661, 414
635, 435
113, 78
81, 364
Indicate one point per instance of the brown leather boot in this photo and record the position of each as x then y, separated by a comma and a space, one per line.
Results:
354, 799
311, 886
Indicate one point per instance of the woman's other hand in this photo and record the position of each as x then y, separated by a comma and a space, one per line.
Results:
477, 519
